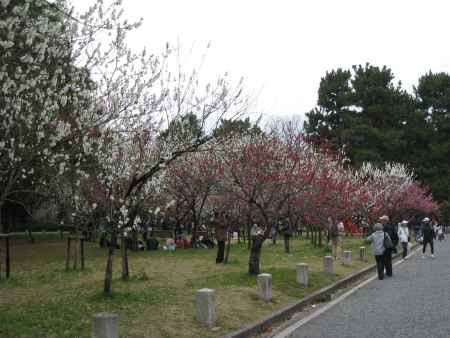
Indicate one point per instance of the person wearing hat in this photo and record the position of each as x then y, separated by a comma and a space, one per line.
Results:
403, 235
390, 230
428, 237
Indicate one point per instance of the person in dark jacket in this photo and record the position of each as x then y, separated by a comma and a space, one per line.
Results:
221, 236
390, 230
428, 236
287, 233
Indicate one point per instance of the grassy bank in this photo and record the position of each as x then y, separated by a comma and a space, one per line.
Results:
43, 300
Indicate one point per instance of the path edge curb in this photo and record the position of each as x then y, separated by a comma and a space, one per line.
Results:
288, 310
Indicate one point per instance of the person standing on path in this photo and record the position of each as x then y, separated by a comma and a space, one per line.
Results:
389, 230
403, 235
377, 240
428, 237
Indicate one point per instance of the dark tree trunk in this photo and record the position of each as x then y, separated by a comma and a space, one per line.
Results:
107, 288
250, 240
134, 243
68, 253
255, 254
75, 254
2, 227
30, 234
286, 243
125, 271
320, 238
82, 253
8, 258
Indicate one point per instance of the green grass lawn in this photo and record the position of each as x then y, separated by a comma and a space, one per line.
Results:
43, 300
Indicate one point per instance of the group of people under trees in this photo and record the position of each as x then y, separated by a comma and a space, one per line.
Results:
387, 236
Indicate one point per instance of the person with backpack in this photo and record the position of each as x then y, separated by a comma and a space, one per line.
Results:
428, 236
377, 238
393, 237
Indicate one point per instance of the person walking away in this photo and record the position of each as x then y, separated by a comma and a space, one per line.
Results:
403, 235
389, 230
428, 237
221, 237
334, 236
378, 249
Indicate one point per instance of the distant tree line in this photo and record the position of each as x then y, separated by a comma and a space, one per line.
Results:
376, 120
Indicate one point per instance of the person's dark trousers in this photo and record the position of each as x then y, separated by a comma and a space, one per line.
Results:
405, 249
220, 251
431, 246
388, 261
380, 266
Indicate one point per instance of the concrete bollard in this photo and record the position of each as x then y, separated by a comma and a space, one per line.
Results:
363, 254
206, 307
104, 325
302, 275
328, 264
265, 286
347, 258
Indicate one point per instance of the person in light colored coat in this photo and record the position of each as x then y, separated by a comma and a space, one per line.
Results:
377, 240
403, 236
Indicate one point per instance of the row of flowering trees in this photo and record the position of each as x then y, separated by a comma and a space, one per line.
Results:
265, 179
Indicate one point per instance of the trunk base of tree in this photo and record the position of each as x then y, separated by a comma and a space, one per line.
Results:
255, 254
107, 288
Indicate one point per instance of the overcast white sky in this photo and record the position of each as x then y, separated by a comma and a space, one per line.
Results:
283, 48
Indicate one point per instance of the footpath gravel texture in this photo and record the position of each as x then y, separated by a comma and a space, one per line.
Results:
415, 302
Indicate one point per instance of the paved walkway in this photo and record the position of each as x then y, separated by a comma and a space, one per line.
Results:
414, 303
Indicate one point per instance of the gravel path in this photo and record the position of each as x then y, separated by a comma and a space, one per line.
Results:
414, 303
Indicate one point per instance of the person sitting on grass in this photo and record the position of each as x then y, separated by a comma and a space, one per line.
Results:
377, 240
170, 244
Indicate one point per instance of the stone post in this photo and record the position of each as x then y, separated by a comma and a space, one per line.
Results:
302, 275
363, 254
265, 286
328, 264
205, 304
104, 325
347, 258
